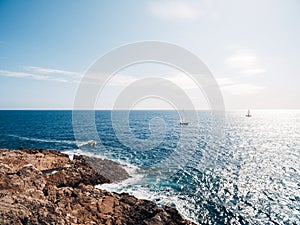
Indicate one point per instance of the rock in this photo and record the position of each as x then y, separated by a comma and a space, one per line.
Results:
112, 170
27, 180
62, 192
41, 159
75, 172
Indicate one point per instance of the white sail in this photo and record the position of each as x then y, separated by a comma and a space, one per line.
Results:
248, 114
183, 121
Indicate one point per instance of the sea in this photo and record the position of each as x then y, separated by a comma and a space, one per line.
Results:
243, 170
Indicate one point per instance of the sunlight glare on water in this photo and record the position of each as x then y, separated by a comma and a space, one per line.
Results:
254, 178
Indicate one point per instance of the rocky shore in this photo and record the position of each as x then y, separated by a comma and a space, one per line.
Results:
46, 187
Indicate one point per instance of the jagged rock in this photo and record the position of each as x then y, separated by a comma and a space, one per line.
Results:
75, 172
112, 170
67, 195
41, 159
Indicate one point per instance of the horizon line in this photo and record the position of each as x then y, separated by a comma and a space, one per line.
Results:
70, 109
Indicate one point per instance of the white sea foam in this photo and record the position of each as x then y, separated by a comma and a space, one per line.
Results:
72, 152
43, 140
135, 185
132, 170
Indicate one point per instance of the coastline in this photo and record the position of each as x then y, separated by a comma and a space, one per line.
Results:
46, 186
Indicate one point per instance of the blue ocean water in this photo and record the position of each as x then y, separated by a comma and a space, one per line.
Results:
253, 177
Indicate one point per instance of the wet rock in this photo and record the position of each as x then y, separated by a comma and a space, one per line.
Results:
112, 170
75, 172
68, 195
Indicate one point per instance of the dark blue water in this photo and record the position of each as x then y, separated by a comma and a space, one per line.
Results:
252, 178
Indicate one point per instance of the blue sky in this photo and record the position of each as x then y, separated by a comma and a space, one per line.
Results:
251, 47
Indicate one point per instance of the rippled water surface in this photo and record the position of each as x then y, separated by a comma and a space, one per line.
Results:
248, 176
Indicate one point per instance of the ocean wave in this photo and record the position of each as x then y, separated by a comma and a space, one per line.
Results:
132, 170
134, 186
68, 142
43, 140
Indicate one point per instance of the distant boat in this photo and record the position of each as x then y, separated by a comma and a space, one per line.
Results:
248, 114
183, 121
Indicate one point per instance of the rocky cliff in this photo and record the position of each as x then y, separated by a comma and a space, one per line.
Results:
46, 187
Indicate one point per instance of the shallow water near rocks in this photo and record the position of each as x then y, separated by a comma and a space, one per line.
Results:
254, 177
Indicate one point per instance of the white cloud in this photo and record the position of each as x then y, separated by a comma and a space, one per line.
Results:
242, 89
235, 87
225, 81
15, 74
246, 62
254, 71
227, 84
242, 62
174, 10
182, 80
40, 73
50, 71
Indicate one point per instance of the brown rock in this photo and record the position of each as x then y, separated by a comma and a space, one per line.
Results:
112, 170
41, 159
75, 172
64, 194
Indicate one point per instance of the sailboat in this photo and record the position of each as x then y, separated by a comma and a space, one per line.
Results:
183, 121
248, 114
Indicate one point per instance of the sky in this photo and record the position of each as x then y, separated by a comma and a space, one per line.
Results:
251, 47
